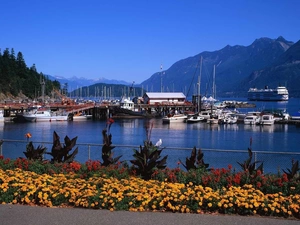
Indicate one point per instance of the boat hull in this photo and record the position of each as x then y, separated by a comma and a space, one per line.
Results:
267, 120
82, 118
174, 119
195, 119
32, 118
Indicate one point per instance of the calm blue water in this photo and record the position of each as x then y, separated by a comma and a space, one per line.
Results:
277, 138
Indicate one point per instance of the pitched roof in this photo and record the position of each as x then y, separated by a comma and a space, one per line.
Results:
165, 95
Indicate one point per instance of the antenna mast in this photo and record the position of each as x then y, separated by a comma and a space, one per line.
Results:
199, 83
161, 86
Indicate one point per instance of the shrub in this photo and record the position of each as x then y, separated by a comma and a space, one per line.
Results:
61, 153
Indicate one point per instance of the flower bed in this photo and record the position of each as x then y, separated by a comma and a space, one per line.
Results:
101, 189
146, 185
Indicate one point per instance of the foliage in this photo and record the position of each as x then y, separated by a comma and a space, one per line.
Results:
135, 194
147, 159
195, 161
117, 187
291, 173
34, 154
248, 165
61, 153
16, 77
107, 154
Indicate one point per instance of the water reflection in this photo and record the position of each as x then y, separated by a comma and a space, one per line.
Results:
176, 126
176, 135
1, 126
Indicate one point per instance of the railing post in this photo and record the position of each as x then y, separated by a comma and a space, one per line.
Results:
255, 159
89, 151
1, 148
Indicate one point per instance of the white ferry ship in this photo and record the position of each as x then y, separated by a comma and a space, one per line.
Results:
278, 94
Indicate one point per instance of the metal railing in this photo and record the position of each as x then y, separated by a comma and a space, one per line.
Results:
216, 158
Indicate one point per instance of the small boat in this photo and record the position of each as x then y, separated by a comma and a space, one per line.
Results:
205, 114
174, 118
194, 119
43, 115
230, 118
126, 103
251, 120
279, 114
213, 120
267, 119
81, 117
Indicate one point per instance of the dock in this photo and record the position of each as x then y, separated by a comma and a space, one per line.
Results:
99, 111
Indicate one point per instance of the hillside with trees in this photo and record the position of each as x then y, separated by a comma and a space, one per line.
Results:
17, 79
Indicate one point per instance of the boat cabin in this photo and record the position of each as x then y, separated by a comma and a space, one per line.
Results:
126, 103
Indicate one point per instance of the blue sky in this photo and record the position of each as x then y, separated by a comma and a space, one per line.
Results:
129, 40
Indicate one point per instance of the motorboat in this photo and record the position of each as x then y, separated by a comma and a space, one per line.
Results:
267, 119
279, 114
205, 114
213, 120
126, 103
230, 118
174, 118
81, 117
194, 119
43, 115
251, 120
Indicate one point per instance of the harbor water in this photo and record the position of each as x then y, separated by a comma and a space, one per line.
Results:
222, 144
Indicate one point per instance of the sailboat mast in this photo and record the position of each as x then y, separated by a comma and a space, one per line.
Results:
199, 83
214, 85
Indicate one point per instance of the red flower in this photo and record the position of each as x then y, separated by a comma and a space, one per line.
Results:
258, 173
285, 177
258, 185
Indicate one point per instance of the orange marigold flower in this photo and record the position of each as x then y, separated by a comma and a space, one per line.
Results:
28, 135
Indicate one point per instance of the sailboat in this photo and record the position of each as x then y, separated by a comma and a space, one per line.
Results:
196, 117
214, 118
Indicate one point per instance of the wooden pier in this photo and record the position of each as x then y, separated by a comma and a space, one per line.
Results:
104, 111
99, 111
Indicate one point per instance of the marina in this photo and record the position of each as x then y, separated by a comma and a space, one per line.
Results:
222, 143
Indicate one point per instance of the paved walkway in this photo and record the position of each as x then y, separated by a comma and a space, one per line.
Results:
35, 215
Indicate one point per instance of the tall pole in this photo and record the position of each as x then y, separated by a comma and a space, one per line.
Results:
161, 87
199, 84
214, 85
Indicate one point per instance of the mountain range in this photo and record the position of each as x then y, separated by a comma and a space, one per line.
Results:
75, 82
266, 62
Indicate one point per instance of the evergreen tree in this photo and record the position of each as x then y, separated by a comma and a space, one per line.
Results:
16, 77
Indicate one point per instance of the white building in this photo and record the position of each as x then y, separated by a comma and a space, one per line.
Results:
164, 98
